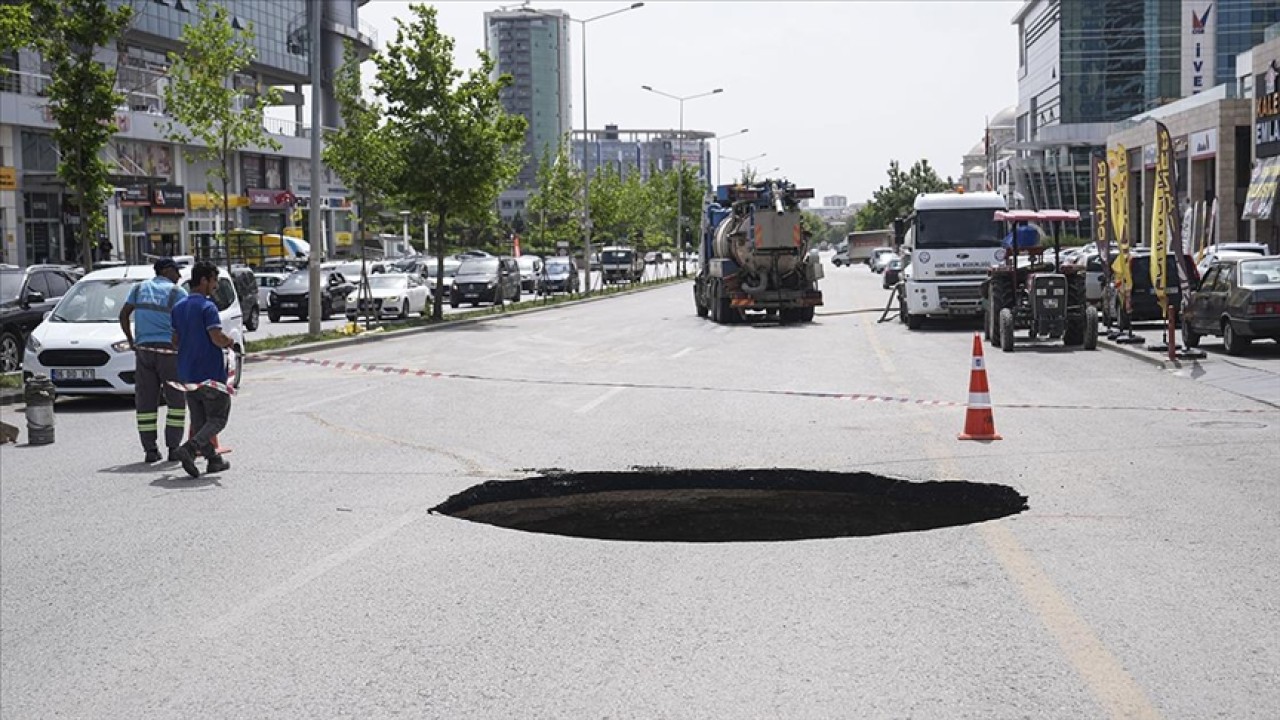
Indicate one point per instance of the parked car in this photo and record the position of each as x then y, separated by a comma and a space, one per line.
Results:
291, 297
892, 272
1145, 304
81, 346
26, 294
559, 274
1229, 251
351, 268
530, 273
881, 259
394, 294
247, 291
1238, 299
486, 279
451, 266
876, 252
841, 258
267, 281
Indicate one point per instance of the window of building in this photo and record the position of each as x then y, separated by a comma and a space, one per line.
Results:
39, 154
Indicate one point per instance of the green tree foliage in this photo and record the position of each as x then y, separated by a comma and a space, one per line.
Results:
362, 152
82, 96
663, 190
459, 148
896, 199
555, 204
815, 228
207, 107
15, 27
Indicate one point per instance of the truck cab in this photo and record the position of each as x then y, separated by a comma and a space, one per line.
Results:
950, 241
621, 264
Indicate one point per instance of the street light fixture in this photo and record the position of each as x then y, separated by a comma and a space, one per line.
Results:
586, 166
718, 155
404, 215
680, 246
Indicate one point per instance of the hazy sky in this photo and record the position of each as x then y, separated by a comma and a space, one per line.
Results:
831, 91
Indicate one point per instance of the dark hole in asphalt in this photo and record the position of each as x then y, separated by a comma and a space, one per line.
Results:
667, 505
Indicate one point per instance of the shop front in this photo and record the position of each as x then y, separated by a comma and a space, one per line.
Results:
204, 223
1260, 200
269, 209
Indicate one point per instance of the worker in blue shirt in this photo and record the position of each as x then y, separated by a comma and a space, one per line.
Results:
202, 369
149, 305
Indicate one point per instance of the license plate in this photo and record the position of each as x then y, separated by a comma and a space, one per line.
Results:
1051, 302
289, 305
74, 375
471, 295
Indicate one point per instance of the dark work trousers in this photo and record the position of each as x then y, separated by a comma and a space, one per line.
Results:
209, 410
152, 373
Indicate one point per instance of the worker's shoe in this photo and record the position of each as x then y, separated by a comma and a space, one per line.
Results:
188, 460
153, 456
173, 455
217, 464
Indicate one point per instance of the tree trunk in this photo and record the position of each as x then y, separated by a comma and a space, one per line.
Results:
86, 242
437, 306
226, 220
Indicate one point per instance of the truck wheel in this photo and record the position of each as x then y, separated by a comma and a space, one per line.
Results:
698, 305
1006, 329
914, 322
1090, 328
804, 314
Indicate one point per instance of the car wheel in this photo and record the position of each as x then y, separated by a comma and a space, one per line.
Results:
10, 352
404, 310
273, 316
325, 311
1235, 344
453, 304
251, 322
239, 354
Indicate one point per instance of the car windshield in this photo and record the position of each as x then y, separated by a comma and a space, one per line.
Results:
617, 256
388, 282
1260, 273
10, 284
268, 281
297, 282
94, 301
558, 266
942, 229
450, 268
478, 266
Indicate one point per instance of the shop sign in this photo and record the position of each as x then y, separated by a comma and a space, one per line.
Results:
209, 201
1199, 45
1266, 121
168, 200
269, 199
164, 225
1204, 144
1261, 196
135, 196
8, 178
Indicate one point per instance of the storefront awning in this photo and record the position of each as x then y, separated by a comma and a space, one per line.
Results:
1260, 200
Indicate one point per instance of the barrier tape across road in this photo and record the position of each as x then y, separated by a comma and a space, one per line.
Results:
364, 367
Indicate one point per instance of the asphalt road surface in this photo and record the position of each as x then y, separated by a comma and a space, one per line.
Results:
310, 581
294, 326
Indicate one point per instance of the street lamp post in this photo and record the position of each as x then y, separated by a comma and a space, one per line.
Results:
586, 166
404, 215
719, 156
744, 161
680, 246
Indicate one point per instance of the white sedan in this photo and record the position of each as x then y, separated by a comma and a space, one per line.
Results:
389, 294
81, 347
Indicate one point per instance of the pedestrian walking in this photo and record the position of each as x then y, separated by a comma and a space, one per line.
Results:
202, 368
149, 305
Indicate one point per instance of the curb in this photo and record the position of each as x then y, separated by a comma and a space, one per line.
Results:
10, 396
304, 348
1144, 355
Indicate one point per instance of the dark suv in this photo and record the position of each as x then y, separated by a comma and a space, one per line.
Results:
486, 279
26, 294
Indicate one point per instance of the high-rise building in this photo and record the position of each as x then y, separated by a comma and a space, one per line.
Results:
533, 48
1084, 65
627, 151
161, 204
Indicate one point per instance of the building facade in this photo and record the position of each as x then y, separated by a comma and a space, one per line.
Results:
1264, 99
533, 48
162, 203
642, 151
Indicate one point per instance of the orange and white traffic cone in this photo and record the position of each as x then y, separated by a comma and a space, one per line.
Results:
979, 423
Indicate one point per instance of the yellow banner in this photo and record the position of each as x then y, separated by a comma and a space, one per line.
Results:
1161, 203
1118, 160
8, 178
211, 201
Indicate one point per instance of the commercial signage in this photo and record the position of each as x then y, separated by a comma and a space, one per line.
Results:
136, 196
1199, 45
261, 198
168, 200
1260, 200
1266, 119
211, 201
8, 178
1204, 144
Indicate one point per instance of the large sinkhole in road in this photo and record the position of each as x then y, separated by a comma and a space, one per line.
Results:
659, 505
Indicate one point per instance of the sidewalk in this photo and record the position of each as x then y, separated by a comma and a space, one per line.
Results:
1255, 375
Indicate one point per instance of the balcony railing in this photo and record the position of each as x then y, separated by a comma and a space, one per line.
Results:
25, 83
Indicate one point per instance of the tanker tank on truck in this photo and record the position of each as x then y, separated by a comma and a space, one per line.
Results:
755, 255
950, 241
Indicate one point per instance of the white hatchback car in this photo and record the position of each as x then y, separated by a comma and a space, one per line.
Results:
80, 345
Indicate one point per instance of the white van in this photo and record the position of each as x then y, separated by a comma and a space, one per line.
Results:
80, 345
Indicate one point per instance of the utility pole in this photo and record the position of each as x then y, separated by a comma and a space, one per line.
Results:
317, 229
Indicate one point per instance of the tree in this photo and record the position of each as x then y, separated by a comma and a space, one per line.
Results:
896, 199
553, 206
459, 148
362, 152
208, 107
82, 97
15, 27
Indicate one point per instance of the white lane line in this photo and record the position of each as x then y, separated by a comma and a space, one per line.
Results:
682, 353
497, 354
597, 402
331, 398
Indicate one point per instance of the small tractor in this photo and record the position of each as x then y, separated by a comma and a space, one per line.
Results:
1026, 292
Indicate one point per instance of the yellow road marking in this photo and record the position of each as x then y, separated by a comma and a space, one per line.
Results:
1098, 667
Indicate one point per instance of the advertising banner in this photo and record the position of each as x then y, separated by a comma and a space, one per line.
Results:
1102, 234
1161, 207
1260, 199
1119, 164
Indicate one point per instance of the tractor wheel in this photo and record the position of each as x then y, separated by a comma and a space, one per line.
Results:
1001, 297
1090, 328
1006, 329
1190, 336
699, 308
